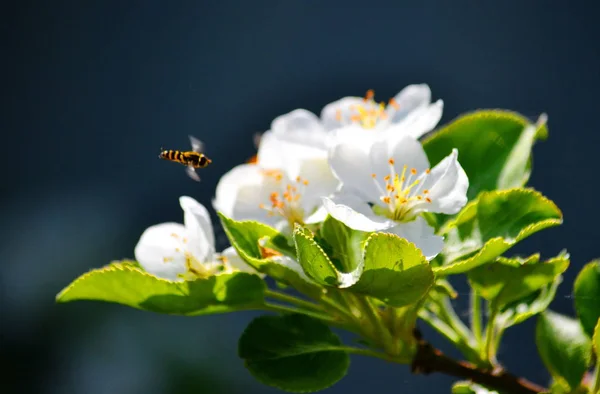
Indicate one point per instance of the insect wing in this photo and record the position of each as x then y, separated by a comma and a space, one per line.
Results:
197, 145
192, 173
256, 139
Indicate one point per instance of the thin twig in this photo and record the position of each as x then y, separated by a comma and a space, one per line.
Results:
429, 360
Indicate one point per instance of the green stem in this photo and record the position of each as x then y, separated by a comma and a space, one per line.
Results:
488, 353
450, 334
448, 314
476, 317
372, 353
341, 309
293, 300
382, 334
287, 309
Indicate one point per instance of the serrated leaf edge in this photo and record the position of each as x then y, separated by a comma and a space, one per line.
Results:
301, 231
406, 242
524, 233
487, 113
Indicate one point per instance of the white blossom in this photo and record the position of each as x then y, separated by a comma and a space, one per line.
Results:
177, 251
387, 183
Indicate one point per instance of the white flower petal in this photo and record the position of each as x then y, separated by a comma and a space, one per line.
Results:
269, 153
419, 122
349, 161
317, 216
321, 183
409, 99
160, 250
355, 213
333, 114
241, 191
420, 233
302, 127
199, 228
407, 151
284, 151
235, 261
447, 184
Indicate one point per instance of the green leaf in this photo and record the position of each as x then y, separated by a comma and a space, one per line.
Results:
466, 387
127, 285
508, 281
563, 346
293, 352
246, 238
587, 296
520, 310
395, 271
492, 146
343, 243
596, 340
313, 259
492, 224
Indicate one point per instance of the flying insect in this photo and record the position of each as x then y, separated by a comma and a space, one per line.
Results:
193, 159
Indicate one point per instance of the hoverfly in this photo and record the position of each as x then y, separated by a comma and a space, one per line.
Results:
191, 159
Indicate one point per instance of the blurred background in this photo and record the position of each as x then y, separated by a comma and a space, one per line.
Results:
93, 90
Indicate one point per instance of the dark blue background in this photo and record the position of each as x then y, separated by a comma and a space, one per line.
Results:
94, 89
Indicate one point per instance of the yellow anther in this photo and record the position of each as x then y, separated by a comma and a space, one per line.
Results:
413, 171
391, 161
427, 199
394, 103
374, 175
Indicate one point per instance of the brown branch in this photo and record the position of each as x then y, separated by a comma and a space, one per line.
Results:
429, 359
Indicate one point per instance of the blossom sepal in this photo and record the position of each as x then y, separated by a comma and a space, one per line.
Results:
266, 250
127, 284
489, 226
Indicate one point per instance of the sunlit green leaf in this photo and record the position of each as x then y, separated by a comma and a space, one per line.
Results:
124, 284
466, 387
394, 271
246, 237
492, 224
508, 281
344, 244
313, 259
587, 296
293, 352
563, 346
520, 310
494, 148
596, 339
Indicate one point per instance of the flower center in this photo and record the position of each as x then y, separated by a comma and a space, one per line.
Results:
402, 193
194, 267
368, 114
286, 202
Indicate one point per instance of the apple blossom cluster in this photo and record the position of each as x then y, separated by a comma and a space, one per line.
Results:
360, 162
367, 213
